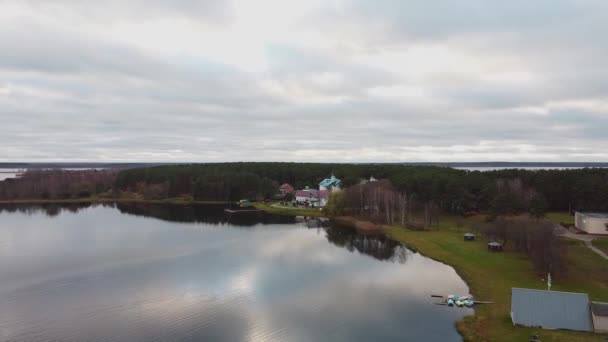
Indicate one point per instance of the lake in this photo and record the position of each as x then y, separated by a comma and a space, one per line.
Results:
177, 273
8, 173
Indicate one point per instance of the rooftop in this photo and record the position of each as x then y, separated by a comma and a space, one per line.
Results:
328, 182
551, 309
599, 309
595, 215
312, 193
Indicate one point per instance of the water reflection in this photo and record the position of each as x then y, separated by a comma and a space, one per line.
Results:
99, 273
49, 209
208, 213
376, 245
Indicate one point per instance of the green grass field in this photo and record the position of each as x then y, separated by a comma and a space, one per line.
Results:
601, 243
492, 275
559, 217
275, 209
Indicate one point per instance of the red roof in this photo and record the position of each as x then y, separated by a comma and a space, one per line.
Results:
313, 193
287, 187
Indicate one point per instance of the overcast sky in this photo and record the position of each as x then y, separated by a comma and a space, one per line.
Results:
330, 81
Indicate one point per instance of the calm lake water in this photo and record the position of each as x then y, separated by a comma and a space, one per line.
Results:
170, 273
8, 173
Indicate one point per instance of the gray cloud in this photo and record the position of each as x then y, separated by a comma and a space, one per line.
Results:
355, 81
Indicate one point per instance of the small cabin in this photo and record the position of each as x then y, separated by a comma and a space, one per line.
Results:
592, 223
469, 237
495, 246
551, 309
286, 189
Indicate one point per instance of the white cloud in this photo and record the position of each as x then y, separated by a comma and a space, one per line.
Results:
303, 81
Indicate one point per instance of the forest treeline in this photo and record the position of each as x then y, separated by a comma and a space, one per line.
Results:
58, 184
417, 187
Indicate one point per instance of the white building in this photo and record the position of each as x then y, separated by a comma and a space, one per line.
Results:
370, 180
312, 197
592, 223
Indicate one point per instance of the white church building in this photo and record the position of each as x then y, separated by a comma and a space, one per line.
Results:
318, 198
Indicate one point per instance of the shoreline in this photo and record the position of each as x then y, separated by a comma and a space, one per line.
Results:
108, 200
361, 226
489, 276
289, 211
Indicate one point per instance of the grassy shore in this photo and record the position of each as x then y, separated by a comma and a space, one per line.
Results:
291, 211
491, 276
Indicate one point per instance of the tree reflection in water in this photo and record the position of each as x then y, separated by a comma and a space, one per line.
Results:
207, 213
50, 210
378, 246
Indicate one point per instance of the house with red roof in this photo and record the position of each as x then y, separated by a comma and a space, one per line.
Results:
312, 197
286, 189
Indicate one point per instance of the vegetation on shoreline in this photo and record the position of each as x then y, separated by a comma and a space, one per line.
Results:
290, 211
433, 188
440, 202
492, 275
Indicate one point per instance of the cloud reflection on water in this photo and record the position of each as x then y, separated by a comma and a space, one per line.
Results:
98, 274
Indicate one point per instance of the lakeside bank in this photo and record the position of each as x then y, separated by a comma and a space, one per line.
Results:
490, 276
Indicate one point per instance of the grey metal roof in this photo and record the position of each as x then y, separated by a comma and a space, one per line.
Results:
551, 309
469, 234
594, 215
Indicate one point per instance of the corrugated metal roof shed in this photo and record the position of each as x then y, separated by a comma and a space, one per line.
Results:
551, 309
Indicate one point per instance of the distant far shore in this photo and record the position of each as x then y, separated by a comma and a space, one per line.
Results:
118, 165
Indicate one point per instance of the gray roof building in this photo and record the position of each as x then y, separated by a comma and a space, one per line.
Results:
551, 309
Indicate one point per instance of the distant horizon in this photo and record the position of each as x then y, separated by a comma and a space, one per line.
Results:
463, 163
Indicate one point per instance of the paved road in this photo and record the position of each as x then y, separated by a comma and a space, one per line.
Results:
561, 231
